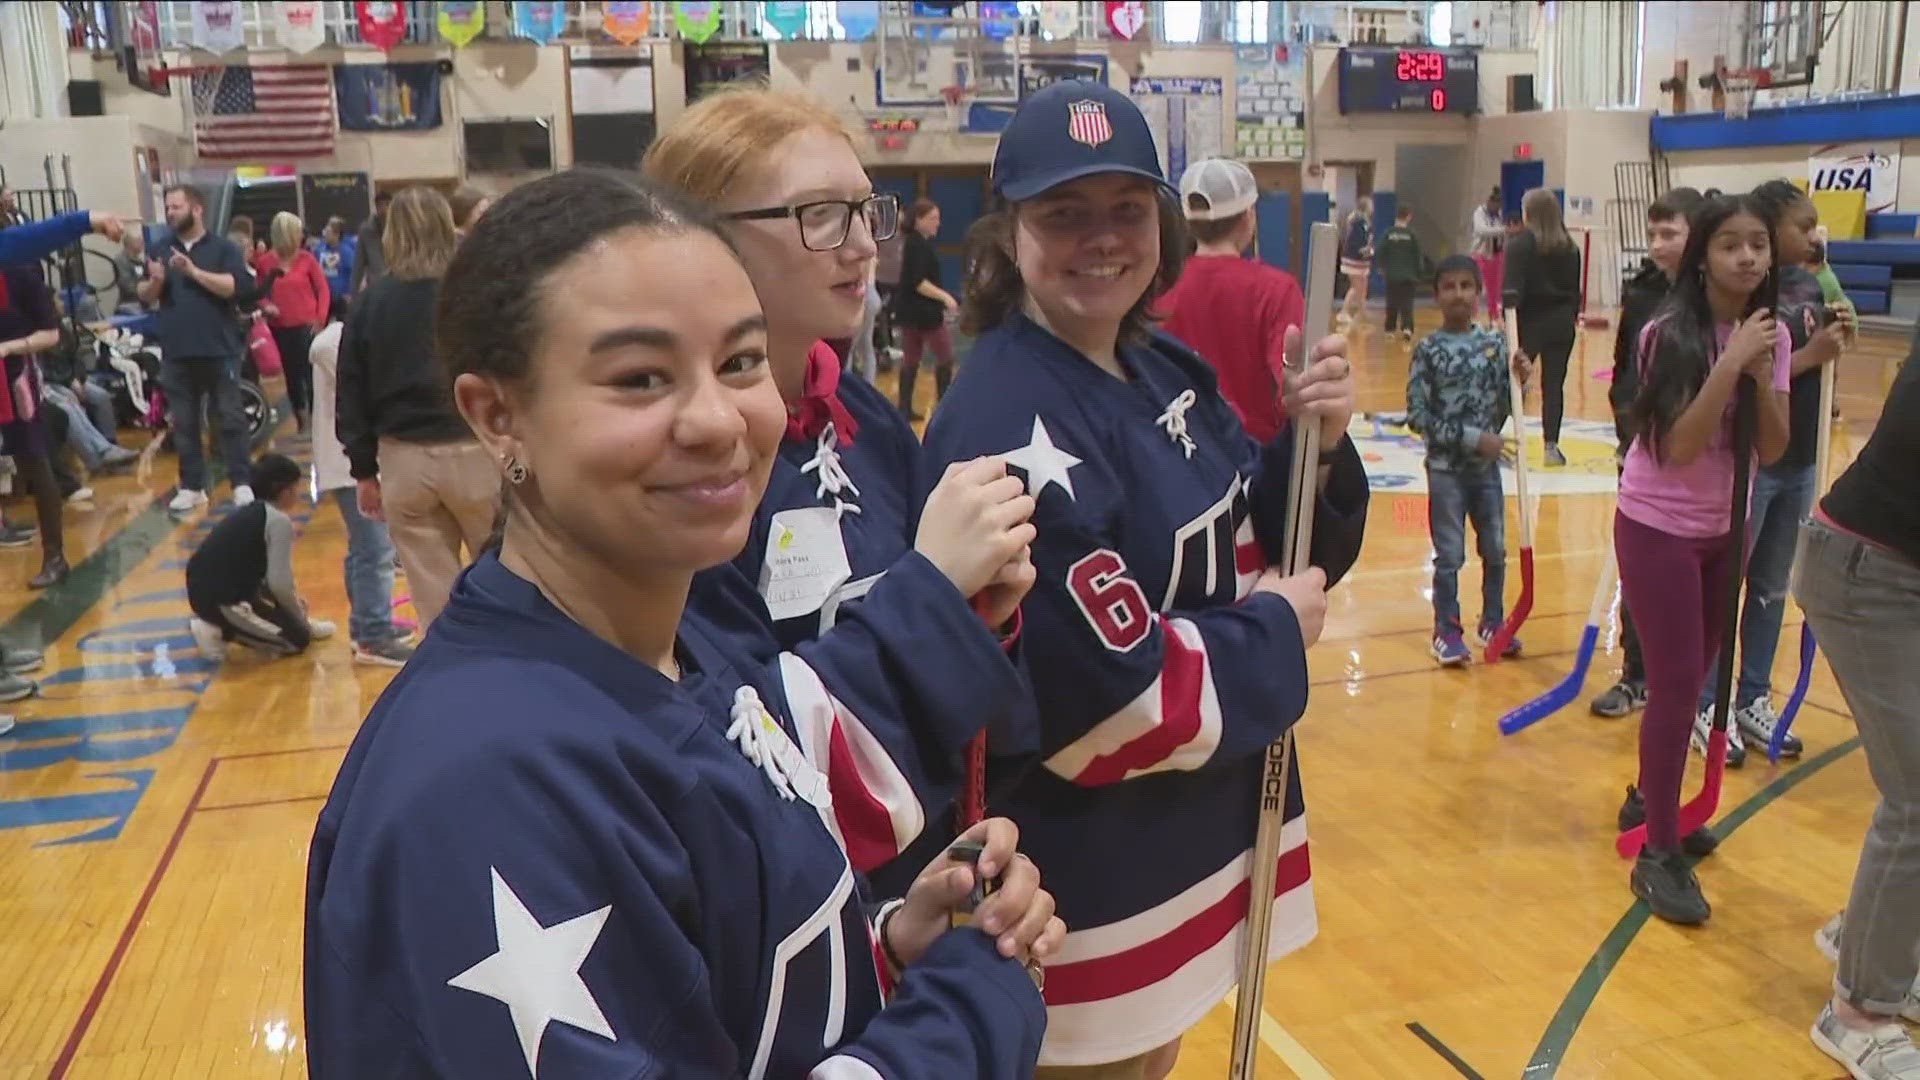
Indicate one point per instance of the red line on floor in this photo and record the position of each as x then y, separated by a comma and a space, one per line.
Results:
251, 804
100, 987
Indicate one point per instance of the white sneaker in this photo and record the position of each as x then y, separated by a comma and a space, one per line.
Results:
1885, 1052
6, 724
1827, 940
242, 494
1703, 730
322, 629
80, 495
187, 499
207, 637
1757, 723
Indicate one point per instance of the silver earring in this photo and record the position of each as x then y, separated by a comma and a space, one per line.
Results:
516, 472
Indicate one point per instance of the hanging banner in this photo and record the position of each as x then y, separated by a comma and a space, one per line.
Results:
1873, 168
998, 19
710, 67
788, 18
1126, 17
382, 23
217, 27
625, 21
388, 97
696, 20
297, 25
859, 19
146, 26
1059, 19
461, 21
1188, 118
539, 21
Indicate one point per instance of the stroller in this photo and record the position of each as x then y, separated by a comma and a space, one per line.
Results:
129, 369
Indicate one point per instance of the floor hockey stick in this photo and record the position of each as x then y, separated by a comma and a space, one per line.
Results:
1568, 688
1251, 1003
1497, 644
1807, 644
1700, 810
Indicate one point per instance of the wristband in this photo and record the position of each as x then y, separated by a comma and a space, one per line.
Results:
880, 924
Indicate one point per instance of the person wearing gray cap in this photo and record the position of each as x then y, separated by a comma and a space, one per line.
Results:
1164, 655
1232, 310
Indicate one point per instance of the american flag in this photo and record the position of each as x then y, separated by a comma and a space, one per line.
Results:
270, 113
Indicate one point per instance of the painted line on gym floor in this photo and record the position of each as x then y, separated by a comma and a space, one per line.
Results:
1283, 1044
1459, 1065
1552, 1050
53, 612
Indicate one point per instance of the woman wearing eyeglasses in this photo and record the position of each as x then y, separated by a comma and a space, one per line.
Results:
937, 583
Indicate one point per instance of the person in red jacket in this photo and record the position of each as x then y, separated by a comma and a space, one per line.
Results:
296, 307
1232, 310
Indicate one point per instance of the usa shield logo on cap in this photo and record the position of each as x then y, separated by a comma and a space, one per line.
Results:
1087, 122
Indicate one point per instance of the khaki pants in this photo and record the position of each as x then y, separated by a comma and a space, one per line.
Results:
1151, 1065
437, 496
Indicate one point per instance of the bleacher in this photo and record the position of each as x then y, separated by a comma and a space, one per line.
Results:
1884, 264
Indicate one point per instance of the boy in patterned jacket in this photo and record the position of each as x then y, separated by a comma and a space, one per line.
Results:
1457, 400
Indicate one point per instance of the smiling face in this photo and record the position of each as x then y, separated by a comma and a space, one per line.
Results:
1739, 254
1088, 250
808, 294
649, 418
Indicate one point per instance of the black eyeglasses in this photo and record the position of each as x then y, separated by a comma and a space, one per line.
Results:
825, 225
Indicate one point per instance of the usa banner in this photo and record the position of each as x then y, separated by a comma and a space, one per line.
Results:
625, 21
461, 21
1087, 122
382, 23
217, 27
539, 21
297, 25
1126, 17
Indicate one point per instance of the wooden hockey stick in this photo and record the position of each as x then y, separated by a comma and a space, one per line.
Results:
1250, 1005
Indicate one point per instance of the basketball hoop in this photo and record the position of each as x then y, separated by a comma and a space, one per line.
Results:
1739, 89
892, 132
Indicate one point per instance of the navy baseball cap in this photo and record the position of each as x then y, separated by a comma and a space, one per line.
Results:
1069, 130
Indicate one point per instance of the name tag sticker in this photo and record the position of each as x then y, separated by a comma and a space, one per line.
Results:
806, 560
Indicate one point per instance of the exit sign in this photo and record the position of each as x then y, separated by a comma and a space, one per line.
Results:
1523, 151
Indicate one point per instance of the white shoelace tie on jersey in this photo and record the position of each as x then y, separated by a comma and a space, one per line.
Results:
748, 714
833, 478
1175, 420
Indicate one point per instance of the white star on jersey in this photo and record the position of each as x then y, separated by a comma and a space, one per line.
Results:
536, 971
1043, 462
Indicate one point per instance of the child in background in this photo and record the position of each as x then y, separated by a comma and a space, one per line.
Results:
240, 580
1648, 288
1457, 400
1672, 528
1398, 257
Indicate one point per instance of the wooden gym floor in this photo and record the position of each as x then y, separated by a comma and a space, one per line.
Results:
155, 813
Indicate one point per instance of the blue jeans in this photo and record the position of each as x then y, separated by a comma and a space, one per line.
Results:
369, 568
211, 384
82, 435
1453, 499
1782, 499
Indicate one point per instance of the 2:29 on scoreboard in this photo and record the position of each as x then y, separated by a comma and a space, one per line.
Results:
1374, 79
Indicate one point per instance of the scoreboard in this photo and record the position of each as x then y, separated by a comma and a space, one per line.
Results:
1382, 79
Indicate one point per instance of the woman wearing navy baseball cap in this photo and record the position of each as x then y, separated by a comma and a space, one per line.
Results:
1164, 656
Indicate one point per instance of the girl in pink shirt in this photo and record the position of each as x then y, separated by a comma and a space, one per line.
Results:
1672, 525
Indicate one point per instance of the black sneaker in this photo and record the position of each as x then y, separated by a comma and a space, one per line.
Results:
1666, 882
17, 536
1697, 844
1621, 699
21, 661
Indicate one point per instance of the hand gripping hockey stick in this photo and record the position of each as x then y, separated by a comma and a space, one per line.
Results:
1703, 806
1807, 646
1524, 607
1568, 688
1324, 243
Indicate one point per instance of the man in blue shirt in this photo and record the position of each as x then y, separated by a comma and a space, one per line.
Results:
203, 340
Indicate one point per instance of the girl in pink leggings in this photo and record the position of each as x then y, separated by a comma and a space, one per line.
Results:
1671, 530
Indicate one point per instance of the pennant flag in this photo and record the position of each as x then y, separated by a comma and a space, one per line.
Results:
1126, 17
539, 20
275, 113
1059, 19
461, 21
787, 17
696, 20
382, 23
625, 21
297, 25
999, 19
217, 27
388, 97
859, 19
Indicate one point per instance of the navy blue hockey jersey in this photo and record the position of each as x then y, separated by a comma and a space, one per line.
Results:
543, 859
1159, 680
831, 563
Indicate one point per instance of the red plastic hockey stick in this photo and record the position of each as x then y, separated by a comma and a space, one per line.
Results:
1695, 813
973, 795
1497, 644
